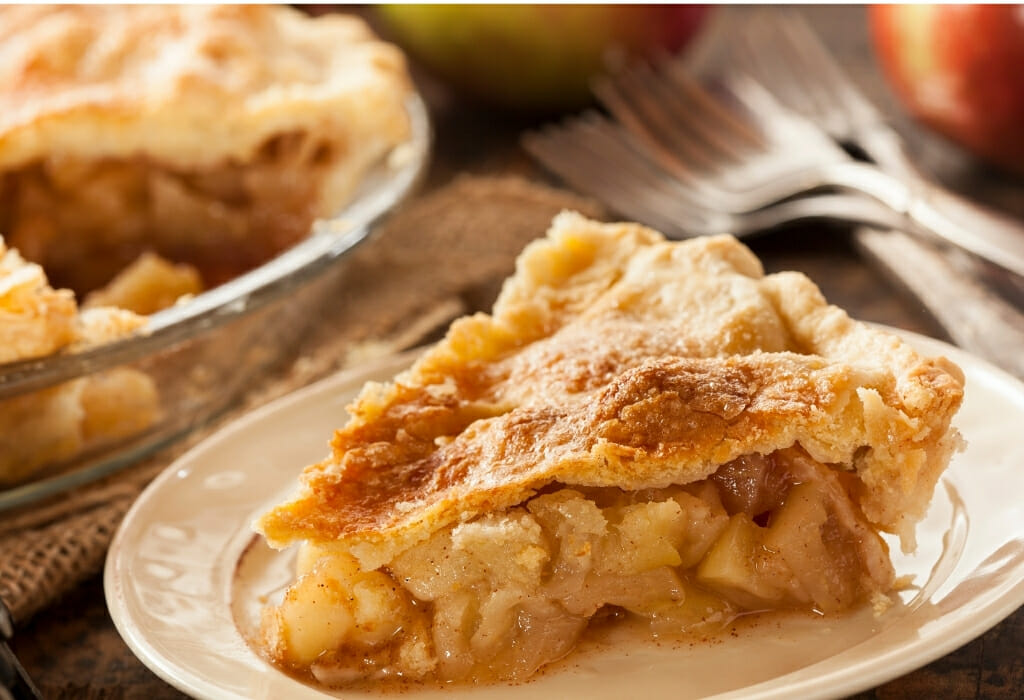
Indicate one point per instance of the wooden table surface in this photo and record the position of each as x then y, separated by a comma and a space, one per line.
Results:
73, 650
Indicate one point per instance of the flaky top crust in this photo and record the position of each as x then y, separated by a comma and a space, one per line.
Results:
189, 86
616, 358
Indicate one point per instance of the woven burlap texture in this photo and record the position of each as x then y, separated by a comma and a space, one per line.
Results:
441, 255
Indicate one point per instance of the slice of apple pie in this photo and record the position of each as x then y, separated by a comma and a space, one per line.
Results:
209, 135
642, 429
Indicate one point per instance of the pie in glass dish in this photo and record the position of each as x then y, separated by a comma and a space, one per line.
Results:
642, 432
148, 153
212, 136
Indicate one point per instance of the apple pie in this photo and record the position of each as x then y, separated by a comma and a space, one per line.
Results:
642, 430
43, 427
209, 135
150, 152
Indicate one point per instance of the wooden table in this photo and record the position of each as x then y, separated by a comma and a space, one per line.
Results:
73, 650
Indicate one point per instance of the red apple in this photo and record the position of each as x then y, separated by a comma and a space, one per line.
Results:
959, 69
533, 57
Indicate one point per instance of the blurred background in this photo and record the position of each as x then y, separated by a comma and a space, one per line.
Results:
946, 75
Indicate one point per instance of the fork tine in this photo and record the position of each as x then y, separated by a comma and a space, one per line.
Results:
689, 131
615, 143
676, 121
622, 197
810, 86
568, 149
758, 53
828, 74
685, 158
661, 116
597, 170
678, 112
756, 99
680, 155
712, 108
622, 154
783, 52
641, 165
807, 77
690, 107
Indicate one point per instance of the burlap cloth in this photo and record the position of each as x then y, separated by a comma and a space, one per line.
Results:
440, 256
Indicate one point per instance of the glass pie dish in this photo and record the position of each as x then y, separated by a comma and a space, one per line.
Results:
195, 358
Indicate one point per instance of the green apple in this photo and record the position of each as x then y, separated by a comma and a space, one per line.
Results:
533, 57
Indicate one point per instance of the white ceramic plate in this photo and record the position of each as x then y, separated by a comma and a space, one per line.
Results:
174, 595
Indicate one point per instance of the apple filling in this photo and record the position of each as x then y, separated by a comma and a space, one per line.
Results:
85, 221
498, 597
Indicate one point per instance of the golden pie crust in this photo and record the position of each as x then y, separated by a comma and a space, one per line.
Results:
616, 358
617, 371
211, 135
192, 86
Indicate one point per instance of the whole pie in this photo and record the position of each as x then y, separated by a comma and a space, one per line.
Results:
148, 152
210, 135
642, 430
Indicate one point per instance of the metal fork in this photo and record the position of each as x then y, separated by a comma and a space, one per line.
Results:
683, 124
15, 683
692, 166
783, 53
605, 160
705, 143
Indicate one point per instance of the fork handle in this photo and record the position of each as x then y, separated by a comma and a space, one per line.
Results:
885, 146
986, 233
934, 211
975, 319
